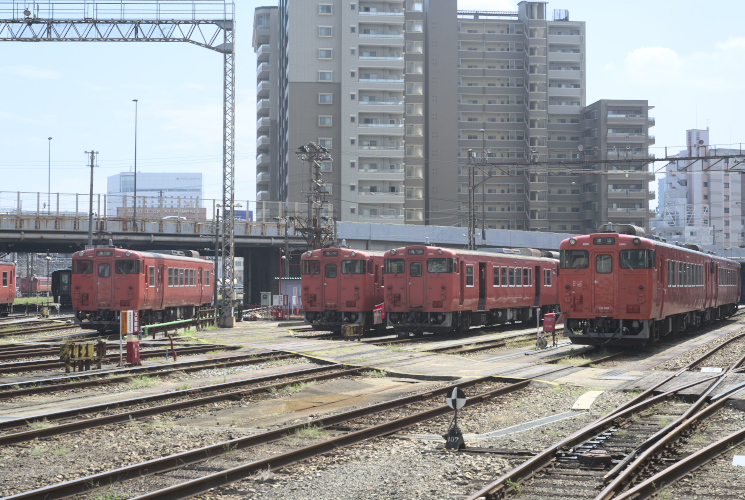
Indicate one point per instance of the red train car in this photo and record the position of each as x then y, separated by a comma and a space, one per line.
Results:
8, 288
440, 290
35, 286
106, 281
619, 288
341, 285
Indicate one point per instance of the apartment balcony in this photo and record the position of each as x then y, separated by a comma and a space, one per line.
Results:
262, 71
564, 74
564, 39
396, 106
388, 216
263, 107
628, 193
384, 151
381, 174
262, 55
263, 124
564, 92
380, 84
382, 39
263, 88
381, 16
564, 109
263, 142
263, 196
627, 212
262, 161
632, 119
381, 62
381, 128
380, 197
564, 56
263, 178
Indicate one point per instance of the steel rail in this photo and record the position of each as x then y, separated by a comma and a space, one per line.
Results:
90, 423
178, 460
55, 363
480, 345
526, 470
94, 380
677, 471
74, 412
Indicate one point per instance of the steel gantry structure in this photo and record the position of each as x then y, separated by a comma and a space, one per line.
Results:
206, 23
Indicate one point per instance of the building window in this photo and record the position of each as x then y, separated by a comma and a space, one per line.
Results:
353, 51
352, 187
325, 76
353, 29
326, 143
325, 31
352, 141
353, 74
353, 96
324, 9
324, 53
325, 121
325, 166
325, 98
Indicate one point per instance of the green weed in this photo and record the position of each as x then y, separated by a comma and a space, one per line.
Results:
40, 424
310, 432
292, 388
514, 485
142, 381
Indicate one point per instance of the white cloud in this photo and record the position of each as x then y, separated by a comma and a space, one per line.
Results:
31, 72
732, 44
653, 65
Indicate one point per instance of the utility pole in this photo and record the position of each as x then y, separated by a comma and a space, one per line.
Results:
483, 186
471, 203
90, 207
315, 234
134, 198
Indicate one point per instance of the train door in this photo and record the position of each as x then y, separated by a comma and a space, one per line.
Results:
604, 292
330, 285
159, 292
462, 274
104, 283
482, 286
415, 292
537, 281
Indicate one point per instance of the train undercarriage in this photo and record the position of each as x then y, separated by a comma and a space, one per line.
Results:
107, 320
333, 320
420, 322
612, 332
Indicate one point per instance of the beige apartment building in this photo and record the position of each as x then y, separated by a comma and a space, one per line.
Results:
410, 95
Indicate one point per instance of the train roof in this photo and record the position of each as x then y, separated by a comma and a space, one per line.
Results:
123, 252
482, 253
343, 252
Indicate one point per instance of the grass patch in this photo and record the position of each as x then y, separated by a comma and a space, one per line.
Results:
39, 424
157, 424
142, 381
38, 450
184, 387
110, 494
309, 432
293, 388
62, 450
377, 373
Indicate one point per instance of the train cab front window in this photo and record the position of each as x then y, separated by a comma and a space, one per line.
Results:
104, 270
331, 270
415, 269
395, 266
574, 259
127, 267
353, 267
637, 259
440, 265
311, 267
604, 264
82, 266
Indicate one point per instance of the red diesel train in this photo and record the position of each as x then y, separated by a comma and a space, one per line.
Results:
621, 289
441, 290
106, 281
35, 286
341, 286
8, 289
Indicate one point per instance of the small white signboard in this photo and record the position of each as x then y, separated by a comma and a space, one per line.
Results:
739, 461
711, 369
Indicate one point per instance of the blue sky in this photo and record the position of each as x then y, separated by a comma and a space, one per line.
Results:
684, 57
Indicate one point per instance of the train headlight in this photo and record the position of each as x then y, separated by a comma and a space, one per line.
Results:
127, 253
637, 241
393, 252
439, 251
572, 241
353, 253
81, 253
309, 254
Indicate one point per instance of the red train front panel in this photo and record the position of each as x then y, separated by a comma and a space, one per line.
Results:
8, 288
622, 289
341, 286
106, 281
429, 289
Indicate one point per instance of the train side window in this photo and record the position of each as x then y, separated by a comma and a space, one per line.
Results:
512, 276
331, 270
469, 275
496, 275
504, 276
104, 270
5, 278
415, 269
518, 276
180, 277
151, 270
526, 276
206, 278
547, 277
603, 264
